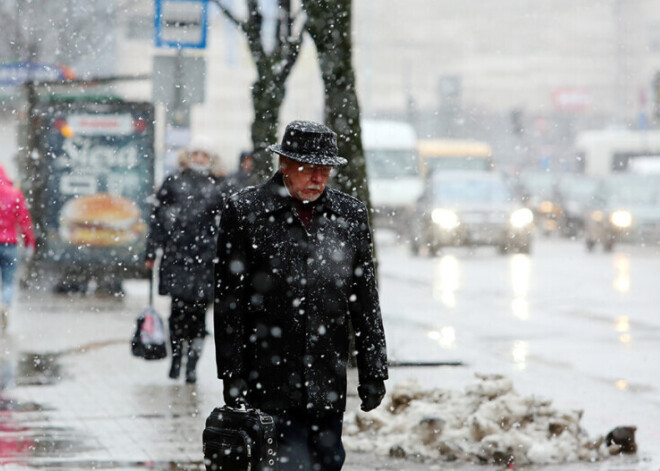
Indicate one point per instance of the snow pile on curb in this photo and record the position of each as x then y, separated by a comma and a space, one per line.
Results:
488, 423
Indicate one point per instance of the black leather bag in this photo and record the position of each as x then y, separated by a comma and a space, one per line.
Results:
239, 440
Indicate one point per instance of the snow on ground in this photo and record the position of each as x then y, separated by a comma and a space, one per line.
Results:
487, 423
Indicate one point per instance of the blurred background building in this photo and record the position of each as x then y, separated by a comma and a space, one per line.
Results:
524, 76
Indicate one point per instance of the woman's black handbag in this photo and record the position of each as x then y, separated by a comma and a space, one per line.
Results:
239, 440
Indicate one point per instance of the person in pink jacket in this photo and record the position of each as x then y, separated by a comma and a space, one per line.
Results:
14, 216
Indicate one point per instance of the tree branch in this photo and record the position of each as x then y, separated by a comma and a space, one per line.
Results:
253, 33
278, 34
291, 54
283, 26
230, 16
286, 8
254, 14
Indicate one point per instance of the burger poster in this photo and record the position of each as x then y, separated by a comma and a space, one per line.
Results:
98, 163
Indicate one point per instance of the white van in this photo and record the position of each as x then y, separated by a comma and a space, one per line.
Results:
609, 151
395, 183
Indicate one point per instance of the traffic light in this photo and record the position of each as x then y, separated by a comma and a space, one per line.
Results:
516, 117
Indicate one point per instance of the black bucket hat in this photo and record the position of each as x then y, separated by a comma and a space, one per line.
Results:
310, 143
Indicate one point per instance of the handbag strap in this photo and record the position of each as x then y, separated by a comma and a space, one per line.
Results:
151, 287
271, 440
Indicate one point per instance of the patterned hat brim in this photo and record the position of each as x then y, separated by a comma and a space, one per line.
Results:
312, 159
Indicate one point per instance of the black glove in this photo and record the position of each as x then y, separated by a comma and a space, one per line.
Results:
234, 391
371, 393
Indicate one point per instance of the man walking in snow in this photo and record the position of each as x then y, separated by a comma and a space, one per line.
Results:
294, 264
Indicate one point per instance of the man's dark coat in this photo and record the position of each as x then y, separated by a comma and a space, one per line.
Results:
284, 295
183, 224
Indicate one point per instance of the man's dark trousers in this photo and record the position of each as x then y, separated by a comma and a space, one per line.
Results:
309, 442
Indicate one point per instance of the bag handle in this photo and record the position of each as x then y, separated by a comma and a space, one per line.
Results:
151, 288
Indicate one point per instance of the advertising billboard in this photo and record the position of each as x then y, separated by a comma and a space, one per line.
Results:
97, 177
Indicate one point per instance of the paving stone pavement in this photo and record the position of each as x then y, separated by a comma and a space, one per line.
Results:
72, 396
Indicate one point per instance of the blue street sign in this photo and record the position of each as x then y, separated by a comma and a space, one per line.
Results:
181, 24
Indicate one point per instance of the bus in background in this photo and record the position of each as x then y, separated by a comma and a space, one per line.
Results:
392, 170
453, 154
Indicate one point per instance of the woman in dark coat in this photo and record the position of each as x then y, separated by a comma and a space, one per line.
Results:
183, 225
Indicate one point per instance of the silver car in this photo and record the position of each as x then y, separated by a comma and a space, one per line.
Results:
470, 209
626, 208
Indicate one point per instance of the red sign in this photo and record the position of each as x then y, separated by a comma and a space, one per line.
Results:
571, 99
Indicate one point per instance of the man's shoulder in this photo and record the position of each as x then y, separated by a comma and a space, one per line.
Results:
244, 196
345, 204
251, 199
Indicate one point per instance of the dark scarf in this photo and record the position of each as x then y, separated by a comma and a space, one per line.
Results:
305, 210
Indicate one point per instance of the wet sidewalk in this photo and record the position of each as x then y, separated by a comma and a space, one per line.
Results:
73, 397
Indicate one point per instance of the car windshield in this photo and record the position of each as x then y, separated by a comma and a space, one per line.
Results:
470, 191
634, 191
538, 184
392, 164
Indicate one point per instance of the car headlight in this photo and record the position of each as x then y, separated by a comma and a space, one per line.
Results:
546, 207
521, 218
445, 218
621, 218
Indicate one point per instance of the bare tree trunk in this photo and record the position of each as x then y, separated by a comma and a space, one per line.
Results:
268, 93
329, 25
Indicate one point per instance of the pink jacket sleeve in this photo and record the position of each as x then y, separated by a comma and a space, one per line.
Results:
25, 222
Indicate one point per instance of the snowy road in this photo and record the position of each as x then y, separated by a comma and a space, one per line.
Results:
582, 329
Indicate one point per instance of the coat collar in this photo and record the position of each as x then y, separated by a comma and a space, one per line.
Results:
277, 197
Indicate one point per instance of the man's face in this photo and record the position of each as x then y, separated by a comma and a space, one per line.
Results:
305, 182
248, 164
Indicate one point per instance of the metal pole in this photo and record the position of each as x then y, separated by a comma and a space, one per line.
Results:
179, 115
620, 74
17, 31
